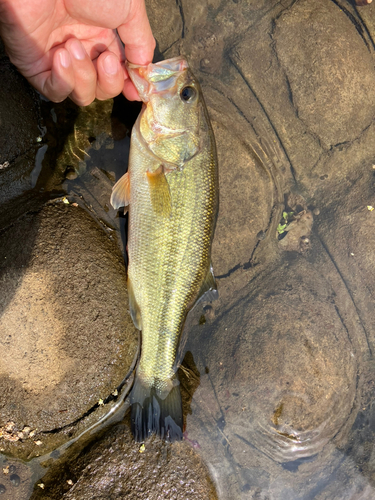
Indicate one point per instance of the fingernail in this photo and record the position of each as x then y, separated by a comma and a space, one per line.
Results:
111, 65
77, 50
64, 59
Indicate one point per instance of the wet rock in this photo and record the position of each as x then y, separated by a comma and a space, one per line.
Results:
347, 229
278, 68
166, 21
252, 210
22, 126
20, 131
282, 380
16, 478
312, 70
117, 467
66, 337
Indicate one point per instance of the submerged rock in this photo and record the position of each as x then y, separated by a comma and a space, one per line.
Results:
117, 467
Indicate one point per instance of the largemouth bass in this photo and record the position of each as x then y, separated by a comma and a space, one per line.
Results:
171, 188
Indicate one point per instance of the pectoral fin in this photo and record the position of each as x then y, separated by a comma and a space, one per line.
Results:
121, 192
135, 312
159, 192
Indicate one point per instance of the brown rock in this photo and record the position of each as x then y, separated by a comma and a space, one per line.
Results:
333, 115
117, 467
67, 338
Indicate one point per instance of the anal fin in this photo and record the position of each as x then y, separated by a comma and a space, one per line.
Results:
208, 291
135, 312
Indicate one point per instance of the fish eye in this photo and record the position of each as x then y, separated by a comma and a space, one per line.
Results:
187, 94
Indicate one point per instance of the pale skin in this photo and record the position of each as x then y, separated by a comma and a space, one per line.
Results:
70, 47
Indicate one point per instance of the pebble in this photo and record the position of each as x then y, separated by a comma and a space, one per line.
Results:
2, 489
71, 175
209, 312
15, 479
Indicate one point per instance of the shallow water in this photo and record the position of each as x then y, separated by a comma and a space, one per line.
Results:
278, 374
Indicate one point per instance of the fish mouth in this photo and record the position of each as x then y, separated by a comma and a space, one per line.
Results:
155, 78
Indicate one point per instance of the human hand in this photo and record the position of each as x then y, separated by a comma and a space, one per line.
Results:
70, 47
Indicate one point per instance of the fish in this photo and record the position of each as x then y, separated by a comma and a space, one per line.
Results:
171, 193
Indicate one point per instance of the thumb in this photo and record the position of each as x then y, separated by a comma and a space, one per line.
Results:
137, 36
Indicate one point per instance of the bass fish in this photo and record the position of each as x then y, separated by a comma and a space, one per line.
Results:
171, 188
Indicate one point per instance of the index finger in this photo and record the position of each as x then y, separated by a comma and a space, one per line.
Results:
137, 36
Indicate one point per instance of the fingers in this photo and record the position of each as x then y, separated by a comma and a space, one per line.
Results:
56, 84
84, 90
73, 74
111, 76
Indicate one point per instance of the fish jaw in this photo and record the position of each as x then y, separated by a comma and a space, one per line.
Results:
155, 78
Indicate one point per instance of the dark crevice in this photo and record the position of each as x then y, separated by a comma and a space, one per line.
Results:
345, 144
170, 46
179, 5
349, 143
365, 27
342, 322
221, 421
341, 144
348, 290
226, 275
290, 93
357, 24
109, 399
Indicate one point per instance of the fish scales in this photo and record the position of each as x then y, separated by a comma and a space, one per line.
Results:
172, 192
166, 273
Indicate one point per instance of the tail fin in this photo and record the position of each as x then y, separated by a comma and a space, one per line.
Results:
150, 414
